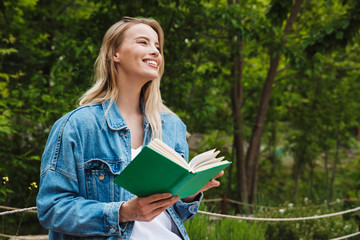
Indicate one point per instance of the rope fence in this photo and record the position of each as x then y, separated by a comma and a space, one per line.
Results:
279, 219
36, 237
33, 209
16, 210
269, 207
347, 236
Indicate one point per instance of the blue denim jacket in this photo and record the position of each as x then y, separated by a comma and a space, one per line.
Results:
86, 149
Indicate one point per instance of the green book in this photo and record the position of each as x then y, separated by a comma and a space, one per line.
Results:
160, 169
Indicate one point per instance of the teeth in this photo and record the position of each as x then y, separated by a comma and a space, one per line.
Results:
151, 62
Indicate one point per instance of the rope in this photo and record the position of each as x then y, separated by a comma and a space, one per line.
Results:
18, 211
5, 235
347, 236
37, 237
13, 208
269, 207
279, 219
216, 215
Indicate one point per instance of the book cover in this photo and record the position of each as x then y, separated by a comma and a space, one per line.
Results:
150, 172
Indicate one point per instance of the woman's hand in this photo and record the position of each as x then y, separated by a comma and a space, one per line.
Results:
212, 183
146, 208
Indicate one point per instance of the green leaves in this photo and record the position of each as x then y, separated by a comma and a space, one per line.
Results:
48, 49
337, 34
279, 10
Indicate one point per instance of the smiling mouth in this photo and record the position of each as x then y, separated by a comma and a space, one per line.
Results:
151, 62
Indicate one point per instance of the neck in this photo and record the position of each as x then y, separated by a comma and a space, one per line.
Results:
128, 101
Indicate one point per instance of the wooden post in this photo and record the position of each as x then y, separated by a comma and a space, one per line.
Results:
358, 138
223, 204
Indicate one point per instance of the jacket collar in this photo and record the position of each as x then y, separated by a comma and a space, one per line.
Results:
113, 116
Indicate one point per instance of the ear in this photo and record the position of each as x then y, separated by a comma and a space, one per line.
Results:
116, 57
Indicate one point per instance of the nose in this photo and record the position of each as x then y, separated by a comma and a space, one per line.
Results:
155, 51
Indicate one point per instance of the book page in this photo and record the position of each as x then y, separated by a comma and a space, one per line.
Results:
206, 163
199, 157
208, 166
204, 158
168, 152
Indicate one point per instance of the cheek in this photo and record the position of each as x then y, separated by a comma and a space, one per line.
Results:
137, 51
160, 60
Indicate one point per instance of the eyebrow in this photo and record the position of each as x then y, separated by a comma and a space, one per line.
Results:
146, 38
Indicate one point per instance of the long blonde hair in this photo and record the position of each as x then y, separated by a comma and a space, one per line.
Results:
106, 88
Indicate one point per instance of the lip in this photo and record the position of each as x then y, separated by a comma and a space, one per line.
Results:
150, 65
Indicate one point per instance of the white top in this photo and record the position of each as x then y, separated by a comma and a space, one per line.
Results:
161, 227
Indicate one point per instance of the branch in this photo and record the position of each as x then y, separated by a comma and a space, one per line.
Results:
283, 69
294, 12
2, 8
172, 18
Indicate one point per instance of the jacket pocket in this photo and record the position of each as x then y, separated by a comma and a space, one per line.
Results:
99, 179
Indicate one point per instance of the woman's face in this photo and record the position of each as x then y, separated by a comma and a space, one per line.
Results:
138, 56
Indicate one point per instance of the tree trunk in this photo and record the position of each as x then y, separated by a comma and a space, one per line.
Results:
236, 101
254, 147
237, 94
297, 181
252, 158
272, 148
326, 163
229, 183
311, 176
336, 161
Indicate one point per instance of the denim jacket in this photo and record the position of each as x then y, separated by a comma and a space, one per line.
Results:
86, 149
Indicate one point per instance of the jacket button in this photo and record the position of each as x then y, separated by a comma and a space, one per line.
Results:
112, 230
101, 177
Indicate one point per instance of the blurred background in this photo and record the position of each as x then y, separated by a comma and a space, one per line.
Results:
273, 84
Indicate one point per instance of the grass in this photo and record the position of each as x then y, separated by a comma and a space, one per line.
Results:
210, 228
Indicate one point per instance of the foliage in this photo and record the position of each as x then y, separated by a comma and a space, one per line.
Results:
310, 229
205, 227
47, 51
280, 232
202, 227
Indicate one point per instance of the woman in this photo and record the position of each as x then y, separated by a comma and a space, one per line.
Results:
88, 147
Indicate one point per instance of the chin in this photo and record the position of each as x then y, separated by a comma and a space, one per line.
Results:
152, 76
148, 76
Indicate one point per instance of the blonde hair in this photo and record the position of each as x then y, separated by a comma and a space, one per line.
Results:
106, 88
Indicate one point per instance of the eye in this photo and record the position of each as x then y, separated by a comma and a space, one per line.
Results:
143, 42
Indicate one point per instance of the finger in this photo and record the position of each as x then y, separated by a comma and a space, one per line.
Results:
146, 207
165, 202
214, 183
219, 175
156, 197
150, 216
159, 207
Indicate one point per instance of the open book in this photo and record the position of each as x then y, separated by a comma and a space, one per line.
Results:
160, 169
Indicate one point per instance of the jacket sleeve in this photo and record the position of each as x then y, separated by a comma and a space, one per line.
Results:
187, 211
61, 202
